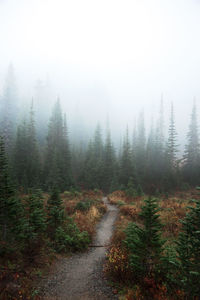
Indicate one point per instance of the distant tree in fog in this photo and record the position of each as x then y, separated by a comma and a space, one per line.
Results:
9, 109
192, 151
57, 165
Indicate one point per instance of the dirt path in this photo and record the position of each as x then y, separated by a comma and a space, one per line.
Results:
81, 276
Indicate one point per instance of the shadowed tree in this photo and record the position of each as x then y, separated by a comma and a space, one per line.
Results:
141, 150
57, 168
191, 167
92, 174
109, 172
26, 154
126, 164
9, 111
171, 162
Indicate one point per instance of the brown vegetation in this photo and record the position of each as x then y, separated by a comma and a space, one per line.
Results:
172, 209
19, 274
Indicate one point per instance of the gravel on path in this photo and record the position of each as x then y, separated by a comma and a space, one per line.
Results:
80, 277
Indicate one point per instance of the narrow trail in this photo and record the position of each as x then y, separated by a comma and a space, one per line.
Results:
81, 276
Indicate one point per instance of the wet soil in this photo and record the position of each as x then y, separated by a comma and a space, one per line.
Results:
80, 277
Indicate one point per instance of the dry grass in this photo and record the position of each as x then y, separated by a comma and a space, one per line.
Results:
18, 276
87, 221
172, 210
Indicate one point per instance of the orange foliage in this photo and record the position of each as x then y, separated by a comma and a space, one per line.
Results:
117, 264
129, 210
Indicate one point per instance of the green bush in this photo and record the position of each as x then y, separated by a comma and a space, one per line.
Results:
84, 205
67, 193
70, 238
120, 203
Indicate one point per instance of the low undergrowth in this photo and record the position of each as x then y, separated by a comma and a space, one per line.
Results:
154, 252
50, 226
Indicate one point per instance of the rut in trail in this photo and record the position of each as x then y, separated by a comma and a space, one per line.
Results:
81, 276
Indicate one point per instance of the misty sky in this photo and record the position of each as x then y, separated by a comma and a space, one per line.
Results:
105, 57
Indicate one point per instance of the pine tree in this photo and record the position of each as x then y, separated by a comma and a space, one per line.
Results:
20, 155
126, 164
192, 152
66, 167
151, 163
43, 95
92, 174
109, 172
171, 162
26, 154
33, 159
86, 178
78, 160
6, 191
159, 151
145, 243
141, 150
172, 142
188, 249
55, 212
9, 111
35, 222
57, 168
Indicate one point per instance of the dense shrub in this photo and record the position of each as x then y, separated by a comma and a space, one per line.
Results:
84, 205
70, 238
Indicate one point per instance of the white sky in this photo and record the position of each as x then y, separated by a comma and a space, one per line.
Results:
120, 53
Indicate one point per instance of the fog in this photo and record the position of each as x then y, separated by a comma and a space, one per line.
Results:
105, 60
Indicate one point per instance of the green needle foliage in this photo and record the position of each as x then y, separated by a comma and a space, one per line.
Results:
55, 211
144, 242
188, 249
6, 192
36, 216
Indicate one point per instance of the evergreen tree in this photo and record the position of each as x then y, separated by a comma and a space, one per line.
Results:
171, 162
57, 169
151, 163
26, 154
12, 213
159, 151
55, 212
21, 156
188, 249
35, 222
192, 151
141, 150
109, 172
92, 175
33, 159
66, 167
43, 95
78, 160
87, 175
145, 242
9, 111
126, 164
172, 142
6, 191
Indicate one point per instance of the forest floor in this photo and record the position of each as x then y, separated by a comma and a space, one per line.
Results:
81, 276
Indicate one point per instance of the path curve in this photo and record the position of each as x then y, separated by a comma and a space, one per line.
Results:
80, 277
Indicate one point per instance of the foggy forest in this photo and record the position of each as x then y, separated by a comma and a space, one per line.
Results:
99, 149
